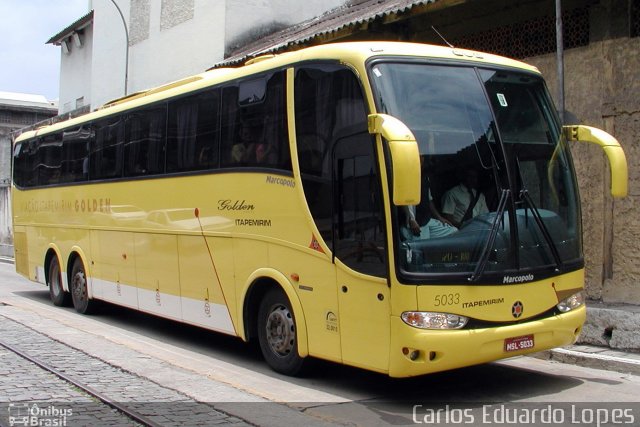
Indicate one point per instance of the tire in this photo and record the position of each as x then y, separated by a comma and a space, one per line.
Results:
79, 289
57, 293
278, 335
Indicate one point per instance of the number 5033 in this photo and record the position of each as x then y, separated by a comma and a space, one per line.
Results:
446, 299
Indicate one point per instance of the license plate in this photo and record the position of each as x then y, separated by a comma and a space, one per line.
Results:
518, 343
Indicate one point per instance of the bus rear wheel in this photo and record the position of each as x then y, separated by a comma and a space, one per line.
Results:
277, 334
56, 292
80, 288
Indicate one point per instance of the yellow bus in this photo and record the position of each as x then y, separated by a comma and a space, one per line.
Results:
306, 200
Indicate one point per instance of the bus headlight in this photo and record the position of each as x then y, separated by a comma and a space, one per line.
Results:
571, 303
430, 320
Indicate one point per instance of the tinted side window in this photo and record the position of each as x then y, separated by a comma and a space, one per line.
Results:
48, 160
358, 216
145, 138
55, 158
193, 140
28, 158
314, 104
105, 159
338, 166
20, 164
254, 126
328, 106
75, 153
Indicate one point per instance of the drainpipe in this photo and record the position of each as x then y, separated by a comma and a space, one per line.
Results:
126, 34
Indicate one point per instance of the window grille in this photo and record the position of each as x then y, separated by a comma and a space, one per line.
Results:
531, 38
634, 18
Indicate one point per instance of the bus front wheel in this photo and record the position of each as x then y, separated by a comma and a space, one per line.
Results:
56, 292
80, 288
277, 333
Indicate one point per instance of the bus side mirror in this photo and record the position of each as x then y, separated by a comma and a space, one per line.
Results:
611, 147
405, 157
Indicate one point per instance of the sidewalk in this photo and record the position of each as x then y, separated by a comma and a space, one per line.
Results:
591, 356
597, 357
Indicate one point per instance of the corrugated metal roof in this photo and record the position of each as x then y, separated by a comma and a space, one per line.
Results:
77, 25
331, 22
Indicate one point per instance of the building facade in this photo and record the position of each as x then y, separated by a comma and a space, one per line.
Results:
76, 49
124, 46
17, 110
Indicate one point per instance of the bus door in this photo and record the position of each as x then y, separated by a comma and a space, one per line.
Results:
342, 186
360, 252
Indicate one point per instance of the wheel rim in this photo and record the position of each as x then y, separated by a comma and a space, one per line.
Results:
79, 285
281, 333
55, 279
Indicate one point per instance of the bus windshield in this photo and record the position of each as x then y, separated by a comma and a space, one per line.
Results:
498, 192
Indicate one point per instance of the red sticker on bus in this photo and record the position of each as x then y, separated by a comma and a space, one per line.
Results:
315, 245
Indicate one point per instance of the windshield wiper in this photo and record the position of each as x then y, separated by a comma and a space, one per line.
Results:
486, 251
524, 195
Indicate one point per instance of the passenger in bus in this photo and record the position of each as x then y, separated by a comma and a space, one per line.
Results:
424, 221
465, 200
205, 157
430, 228
244, 151
55, 176
266, 154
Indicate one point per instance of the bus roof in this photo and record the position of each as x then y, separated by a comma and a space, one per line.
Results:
349, 52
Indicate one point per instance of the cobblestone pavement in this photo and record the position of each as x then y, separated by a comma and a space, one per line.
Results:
29, 393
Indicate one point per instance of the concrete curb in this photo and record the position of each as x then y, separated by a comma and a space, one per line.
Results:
6, 260
612, 325
594, 357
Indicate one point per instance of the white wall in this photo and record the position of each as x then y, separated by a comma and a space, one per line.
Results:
75, 73
160, 51
109, 52
186, 48
173, 39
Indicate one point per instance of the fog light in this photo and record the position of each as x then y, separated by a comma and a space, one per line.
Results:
414, 355
571, 303
429, 320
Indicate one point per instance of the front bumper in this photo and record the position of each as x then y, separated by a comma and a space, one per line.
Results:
416, 352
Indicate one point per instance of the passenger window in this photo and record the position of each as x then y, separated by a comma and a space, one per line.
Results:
21, 169
254, 126
48, 165
75, 154
193, 141
337, 165
144, 149
105, 159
